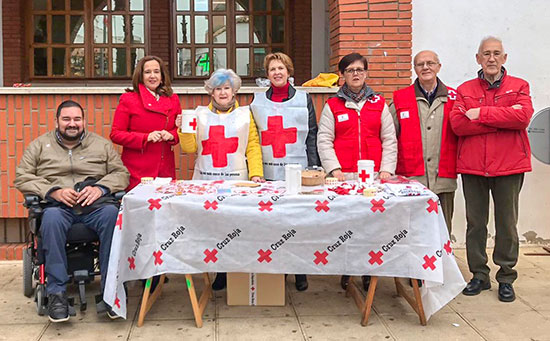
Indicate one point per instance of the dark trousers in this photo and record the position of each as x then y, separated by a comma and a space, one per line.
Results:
447, 201
505, 192
56, 222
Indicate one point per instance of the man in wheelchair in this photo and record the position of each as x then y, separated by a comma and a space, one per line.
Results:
75, 172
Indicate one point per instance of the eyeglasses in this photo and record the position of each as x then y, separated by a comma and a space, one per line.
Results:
359, 71
429, 64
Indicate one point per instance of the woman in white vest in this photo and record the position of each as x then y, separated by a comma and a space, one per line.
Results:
226, 140
287, 125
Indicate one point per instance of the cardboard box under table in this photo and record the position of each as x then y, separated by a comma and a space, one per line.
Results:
255, 289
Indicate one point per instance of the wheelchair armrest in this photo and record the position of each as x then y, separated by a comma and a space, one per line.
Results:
118, 195
32, 200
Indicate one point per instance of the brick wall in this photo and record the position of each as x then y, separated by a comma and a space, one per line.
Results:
301, 40
13, 41
160, 32
381, 30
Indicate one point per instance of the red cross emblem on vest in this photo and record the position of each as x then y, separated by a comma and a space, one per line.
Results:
219, 146
278, 137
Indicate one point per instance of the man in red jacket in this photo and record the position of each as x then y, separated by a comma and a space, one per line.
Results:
490, 116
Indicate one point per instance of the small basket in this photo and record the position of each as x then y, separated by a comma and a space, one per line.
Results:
312, 177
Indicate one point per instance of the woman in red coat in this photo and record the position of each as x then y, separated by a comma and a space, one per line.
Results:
144, 122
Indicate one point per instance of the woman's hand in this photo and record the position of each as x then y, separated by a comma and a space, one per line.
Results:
337, 173
178, 121
257, 179
384, 175
154, 136
166, 136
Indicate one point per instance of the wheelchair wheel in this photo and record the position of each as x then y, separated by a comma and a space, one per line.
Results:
41, 300
28, 289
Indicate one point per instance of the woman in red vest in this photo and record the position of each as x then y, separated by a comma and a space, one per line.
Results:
356, 125
145, 122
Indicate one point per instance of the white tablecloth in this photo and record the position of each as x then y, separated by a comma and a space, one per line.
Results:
200, 226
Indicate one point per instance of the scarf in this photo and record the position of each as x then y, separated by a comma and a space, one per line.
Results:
346, 93
219, 108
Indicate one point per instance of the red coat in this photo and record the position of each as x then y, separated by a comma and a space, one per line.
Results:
348, 125
496, 144
410, 158
136, 115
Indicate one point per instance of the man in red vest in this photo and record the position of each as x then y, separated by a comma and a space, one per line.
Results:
490, 116
425, 140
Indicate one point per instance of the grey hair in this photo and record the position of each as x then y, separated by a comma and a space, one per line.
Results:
489, 38
220, 77
435, 55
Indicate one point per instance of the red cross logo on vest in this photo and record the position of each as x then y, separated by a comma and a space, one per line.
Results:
320, 257
158, 260
278, 137
219, 146
210, 256
364, 176
432, 207
119, 221
451, 95
264, 255
376, 257
429, 262
447, 247
132, 262
193, 124
373, 99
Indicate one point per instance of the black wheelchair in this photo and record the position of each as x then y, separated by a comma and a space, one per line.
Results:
82, 250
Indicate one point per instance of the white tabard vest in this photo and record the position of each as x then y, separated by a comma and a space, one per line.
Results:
283, 128
222, 140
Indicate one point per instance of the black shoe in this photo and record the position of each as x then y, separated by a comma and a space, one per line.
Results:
220, 282
301, 282
506, 292
112, 315
475, 286
58, 307
418, 280
344, 281
366, 282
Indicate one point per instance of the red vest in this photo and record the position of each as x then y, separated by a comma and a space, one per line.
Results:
357, 136
410, 160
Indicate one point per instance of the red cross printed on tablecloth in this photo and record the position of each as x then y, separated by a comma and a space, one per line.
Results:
265, 206
432, 206
429, 262
277, 136
364, 176
193, 124
117, 302
219, 146
322, 206
119, 221
154, 203
264, 255
132, 262
158, 260
213, 205
376, 257
210, 256
320, 257
377, 205
447, 247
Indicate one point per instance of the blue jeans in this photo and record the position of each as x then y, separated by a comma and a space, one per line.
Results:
56, 222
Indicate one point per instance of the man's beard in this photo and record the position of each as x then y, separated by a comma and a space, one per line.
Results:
69, 137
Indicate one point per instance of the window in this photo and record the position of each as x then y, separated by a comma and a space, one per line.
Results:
86, 38
236, 34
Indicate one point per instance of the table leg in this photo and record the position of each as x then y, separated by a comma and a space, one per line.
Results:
416, 302
363, 303
200, 305
148, 300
